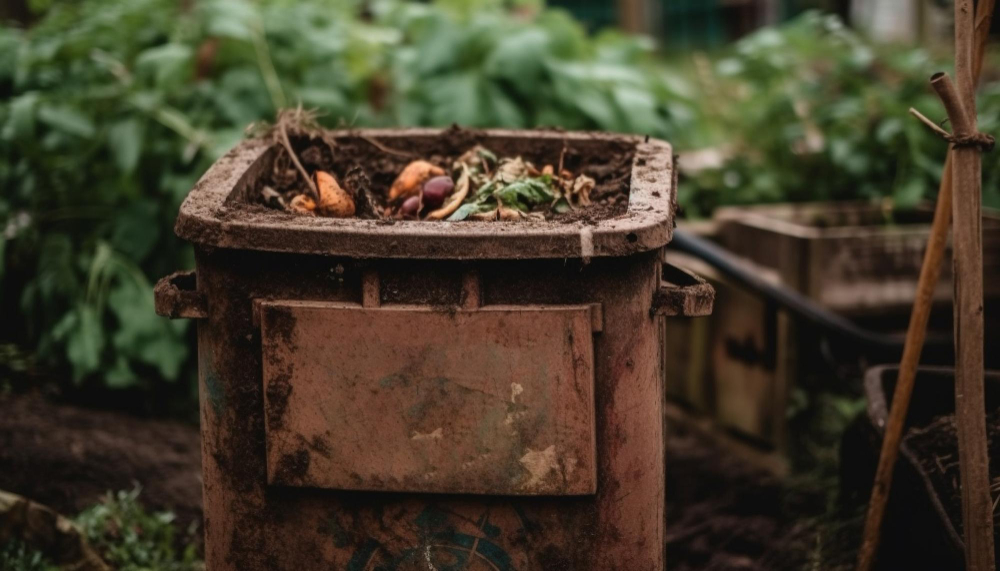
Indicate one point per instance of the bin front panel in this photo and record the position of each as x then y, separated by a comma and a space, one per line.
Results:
495, 400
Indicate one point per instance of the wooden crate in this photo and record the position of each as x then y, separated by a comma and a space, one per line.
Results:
740, 366
852, 257
736, 366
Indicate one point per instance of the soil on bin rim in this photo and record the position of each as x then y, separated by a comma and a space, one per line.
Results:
936, 448
381, 161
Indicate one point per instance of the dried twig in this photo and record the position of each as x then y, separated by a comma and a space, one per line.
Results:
983, 141
283, 133
930, 124
302, 122
386, 149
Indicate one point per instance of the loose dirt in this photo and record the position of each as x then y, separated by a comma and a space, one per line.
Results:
356, 160
67, 457
722, 513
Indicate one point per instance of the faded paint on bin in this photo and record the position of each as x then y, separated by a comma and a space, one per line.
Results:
415, 399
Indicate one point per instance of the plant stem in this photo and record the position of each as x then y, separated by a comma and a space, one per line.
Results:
267, 71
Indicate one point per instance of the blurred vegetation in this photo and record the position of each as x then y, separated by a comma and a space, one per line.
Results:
130, 538
15, 556
125, 534
812, 111
109, 112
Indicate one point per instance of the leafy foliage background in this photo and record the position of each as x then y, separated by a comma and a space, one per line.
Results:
109, 112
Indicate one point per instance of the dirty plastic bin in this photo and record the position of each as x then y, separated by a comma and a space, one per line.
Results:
416, 395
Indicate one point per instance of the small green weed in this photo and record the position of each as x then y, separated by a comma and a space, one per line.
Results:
15, 556
132, 539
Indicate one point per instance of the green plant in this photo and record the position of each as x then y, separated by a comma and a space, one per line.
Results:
14, 556
131, 539
110, 112
813, 111
127, 537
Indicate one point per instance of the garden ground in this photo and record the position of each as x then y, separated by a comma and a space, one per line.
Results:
722, 511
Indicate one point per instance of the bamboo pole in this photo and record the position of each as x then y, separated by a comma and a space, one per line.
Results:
930, 273
970, 406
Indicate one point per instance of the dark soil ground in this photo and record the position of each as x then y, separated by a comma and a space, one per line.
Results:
67, 457
722, 513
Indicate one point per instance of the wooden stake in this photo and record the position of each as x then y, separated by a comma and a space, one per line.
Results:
930, 273
970, 406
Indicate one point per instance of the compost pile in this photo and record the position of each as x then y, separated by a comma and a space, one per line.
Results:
479, 184
936, 448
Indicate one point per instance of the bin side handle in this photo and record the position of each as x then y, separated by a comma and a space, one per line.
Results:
177, 296
682, 294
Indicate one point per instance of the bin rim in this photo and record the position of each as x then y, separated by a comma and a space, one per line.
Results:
208, 217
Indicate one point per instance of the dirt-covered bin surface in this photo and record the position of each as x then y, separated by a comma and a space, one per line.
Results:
393, 388
632, 209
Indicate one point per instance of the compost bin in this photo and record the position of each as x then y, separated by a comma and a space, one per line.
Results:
433, 395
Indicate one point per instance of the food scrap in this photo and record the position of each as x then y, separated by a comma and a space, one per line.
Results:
476, 186
334, 201
410, 181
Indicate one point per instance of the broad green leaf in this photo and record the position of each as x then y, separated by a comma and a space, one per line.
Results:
520, 58
21, 119
506, 113
230, 18
638, 108
326, 99
910, 193
597, 106
66, 119
469, 209
525, 193
120, 375
142, 335
456, 99
166, 352
169, 64
136, 230
84, 341
125, 140
439, 48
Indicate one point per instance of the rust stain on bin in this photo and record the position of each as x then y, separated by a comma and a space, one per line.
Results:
408, 399
276, 492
